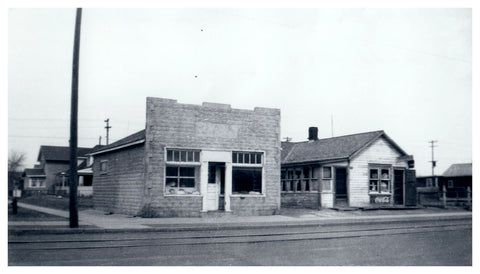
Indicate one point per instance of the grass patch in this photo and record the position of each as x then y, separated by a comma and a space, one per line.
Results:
57, 202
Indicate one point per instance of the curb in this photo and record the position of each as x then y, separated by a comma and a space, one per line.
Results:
332, 222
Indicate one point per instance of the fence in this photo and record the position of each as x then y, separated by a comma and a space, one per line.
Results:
434, 196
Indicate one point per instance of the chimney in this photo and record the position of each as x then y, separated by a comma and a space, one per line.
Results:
312, 133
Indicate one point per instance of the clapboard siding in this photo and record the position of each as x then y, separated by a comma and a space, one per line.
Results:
380, 152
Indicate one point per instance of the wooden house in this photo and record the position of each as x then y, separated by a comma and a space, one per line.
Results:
347, 171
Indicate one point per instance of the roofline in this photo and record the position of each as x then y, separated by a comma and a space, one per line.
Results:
331, 160
117, 148
380, 134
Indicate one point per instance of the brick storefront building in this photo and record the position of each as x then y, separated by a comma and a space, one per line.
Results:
191, 159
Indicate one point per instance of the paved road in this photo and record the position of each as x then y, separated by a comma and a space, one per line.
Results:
406, 243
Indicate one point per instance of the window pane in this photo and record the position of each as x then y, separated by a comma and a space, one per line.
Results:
245, 180
176, 155
169, 155
247, 158
190, 156
373, 174
234, 157
211, 174
197, 156
259, 158
171, 182
187, 182
240, 158
327, 172
187, 171
373, 186
183, 156
172, 171
385, 174
384, 186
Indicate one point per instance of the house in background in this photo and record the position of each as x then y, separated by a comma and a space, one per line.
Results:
53, 164
347, 171
190, 160
457, 179
34, 181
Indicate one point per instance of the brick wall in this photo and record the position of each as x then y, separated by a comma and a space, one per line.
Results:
121, 188
301, 199
213, 127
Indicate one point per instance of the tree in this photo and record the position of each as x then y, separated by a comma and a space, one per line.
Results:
16, 159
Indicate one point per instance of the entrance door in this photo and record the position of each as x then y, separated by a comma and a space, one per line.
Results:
398, 185
341, 186
216, 176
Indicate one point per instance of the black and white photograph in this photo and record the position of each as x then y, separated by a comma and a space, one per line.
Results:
219, 135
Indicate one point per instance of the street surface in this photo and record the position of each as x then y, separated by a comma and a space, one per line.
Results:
388, 244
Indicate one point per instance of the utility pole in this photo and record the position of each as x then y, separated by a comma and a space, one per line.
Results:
108, 127
331, 123
74, 123
434, 163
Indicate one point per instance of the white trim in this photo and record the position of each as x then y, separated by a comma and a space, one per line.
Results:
117, 148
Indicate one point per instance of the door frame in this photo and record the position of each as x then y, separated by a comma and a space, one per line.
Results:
403, 185
346, 184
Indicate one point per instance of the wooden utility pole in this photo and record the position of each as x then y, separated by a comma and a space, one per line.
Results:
108, 127
74, 123
434, 163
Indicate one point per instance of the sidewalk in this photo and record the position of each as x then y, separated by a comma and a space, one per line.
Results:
96, 221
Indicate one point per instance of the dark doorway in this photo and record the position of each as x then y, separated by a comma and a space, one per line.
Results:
398, 183
341, 186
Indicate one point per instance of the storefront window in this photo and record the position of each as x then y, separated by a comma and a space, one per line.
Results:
247, 170
181, 171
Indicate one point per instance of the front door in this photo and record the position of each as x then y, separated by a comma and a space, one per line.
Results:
398, 185
341, 187
216, 173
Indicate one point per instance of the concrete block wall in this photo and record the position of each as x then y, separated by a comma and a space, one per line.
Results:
211, 127
121, 189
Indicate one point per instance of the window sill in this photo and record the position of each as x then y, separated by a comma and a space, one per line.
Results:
248, 195
379, 193
182, 195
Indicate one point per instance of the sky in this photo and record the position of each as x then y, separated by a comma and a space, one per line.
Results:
405, 71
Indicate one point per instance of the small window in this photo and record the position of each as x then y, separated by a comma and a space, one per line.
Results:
379, 180
252, 158
183, 155
450, 184
103, 166
327, 172
429, 182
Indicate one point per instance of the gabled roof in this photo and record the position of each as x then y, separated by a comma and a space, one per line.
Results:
137, 137
330, 149
458, 170
33, 172
57, 153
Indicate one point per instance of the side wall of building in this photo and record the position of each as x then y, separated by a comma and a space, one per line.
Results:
212, 127
51, 169
120, 188
380, 152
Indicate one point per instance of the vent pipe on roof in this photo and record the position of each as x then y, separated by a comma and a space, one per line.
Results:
312, 133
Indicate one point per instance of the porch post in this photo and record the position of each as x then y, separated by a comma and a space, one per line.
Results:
203, 184
228, 185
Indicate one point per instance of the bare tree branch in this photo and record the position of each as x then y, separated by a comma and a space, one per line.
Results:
16, 160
